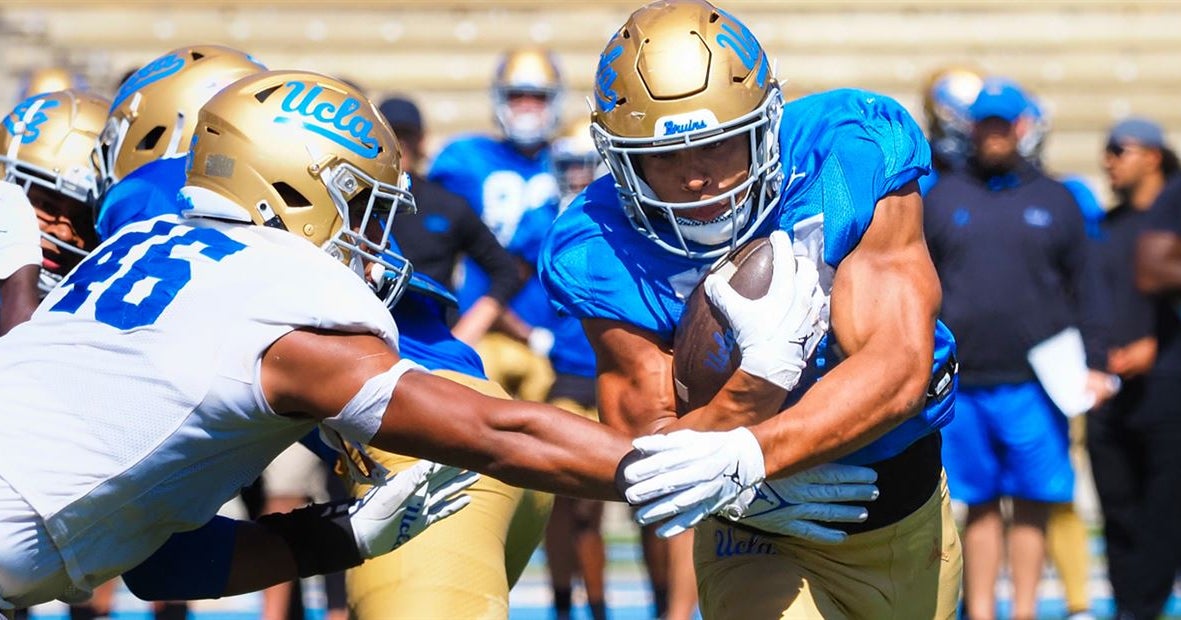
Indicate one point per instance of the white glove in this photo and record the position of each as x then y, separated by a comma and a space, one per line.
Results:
685, 476
20, 236
541, 341
779, 331
790, 505
408, 503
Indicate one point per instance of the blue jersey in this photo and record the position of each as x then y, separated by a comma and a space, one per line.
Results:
1093, 212
842, 151
517, 197
423, 336
928, 181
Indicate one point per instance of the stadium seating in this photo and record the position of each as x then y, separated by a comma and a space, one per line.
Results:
1091, 62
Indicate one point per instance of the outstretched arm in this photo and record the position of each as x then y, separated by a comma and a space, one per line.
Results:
525, 444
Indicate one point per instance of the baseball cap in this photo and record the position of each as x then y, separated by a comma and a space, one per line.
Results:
999, 97
1138, 130
401, 113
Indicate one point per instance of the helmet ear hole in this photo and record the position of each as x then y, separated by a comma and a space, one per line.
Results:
262, 95
148, 142
196, 55
290, 195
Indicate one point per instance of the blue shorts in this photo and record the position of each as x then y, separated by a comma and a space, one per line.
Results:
1007, 440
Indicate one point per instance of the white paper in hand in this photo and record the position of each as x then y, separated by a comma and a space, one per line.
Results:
1060, 363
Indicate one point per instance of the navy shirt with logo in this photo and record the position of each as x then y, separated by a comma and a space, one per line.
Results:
1012, 257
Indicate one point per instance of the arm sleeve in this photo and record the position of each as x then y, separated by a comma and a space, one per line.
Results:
191, 565
481, 245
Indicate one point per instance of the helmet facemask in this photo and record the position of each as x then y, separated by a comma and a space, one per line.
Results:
527, 129
308, 154
368, 208
749, 202
527, 73
47, 155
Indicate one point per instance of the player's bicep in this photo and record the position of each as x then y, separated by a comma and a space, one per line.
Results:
886, 290
317, 373
635, 389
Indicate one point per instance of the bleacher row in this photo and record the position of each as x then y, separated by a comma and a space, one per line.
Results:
1091, 61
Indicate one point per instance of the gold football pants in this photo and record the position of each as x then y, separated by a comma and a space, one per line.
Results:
462, 566
909, 570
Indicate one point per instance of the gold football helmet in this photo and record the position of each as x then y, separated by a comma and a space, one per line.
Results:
948, 92
155, 109
678, 75
576, 161
533, 72
45, 147
308, 154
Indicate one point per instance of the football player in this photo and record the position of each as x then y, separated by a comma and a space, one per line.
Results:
573, 536
182, 355
141, 152
947, 93
466, 566
45, 147
509, 181
704, 155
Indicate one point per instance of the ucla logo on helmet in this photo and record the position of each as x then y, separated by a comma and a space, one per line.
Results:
736, 37
605, 95
32, 124
340, 124
154, 71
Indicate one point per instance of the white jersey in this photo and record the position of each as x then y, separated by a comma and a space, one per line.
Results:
130, 404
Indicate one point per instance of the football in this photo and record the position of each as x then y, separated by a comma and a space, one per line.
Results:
704, 352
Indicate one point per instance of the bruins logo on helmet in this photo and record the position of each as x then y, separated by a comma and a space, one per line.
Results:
681, 74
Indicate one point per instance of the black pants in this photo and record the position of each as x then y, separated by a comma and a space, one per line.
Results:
1134, 444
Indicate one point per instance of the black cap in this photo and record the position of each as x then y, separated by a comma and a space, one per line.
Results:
401, 114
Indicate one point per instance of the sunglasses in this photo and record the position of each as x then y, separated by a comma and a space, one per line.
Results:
1116, 149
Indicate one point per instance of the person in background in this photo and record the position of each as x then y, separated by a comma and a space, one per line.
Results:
573, 536
947, 93
1000, 224
1133, 441
1067, 538
445, 229
508, 180
466, 569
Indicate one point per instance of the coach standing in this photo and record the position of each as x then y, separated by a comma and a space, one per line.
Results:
1157, 528
1011, 251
